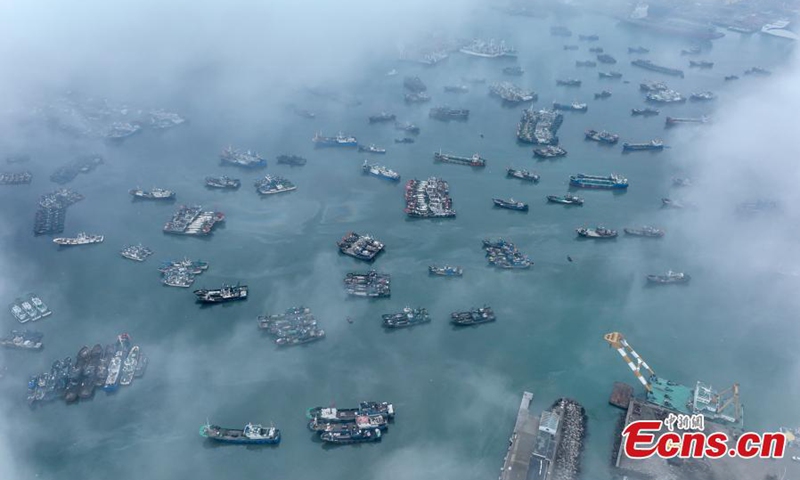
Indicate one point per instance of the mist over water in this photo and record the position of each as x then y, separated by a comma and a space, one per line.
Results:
235, 71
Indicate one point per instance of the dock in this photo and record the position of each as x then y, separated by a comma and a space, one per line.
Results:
522, 442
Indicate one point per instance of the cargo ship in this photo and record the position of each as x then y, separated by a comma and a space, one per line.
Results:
598, 232
474, 161
250, 435
657, 145
522, 175
81, 239
153, 194
644, 231
510, 204
474, 316
380, 171
607, 182
409, 317
648, 65
224, 182
227, 293
340, 140
602, 136
247, 159
669, 278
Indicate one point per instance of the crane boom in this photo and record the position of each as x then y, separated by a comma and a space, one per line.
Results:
616, 340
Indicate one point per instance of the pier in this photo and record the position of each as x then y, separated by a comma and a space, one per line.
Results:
520, 450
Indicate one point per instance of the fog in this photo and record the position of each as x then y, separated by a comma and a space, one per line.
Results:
248, 62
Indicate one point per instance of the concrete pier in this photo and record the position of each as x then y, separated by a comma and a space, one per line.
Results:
522, 443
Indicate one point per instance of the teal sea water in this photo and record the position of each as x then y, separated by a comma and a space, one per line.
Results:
456, 391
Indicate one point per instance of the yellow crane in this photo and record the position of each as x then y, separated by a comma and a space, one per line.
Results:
618, 342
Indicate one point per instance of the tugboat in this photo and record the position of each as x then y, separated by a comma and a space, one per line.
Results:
651, 145
81, 239
153, 194
225, 294
602, 137
522, 175
407, 318
445, 271
669, 278
292, 160
380, 171
382, 117
372, 149
474, 316
351, 434
598, 232
549, 151
602, 95
647, 112
223, 182
510, 204
566, 199
609, 74
250, 434
644, 231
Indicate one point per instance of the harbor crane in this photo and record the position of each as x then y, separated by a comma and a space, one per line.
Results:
716, 405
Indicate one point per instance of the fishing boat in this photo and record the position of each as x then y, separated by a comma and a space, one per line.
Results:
250, 434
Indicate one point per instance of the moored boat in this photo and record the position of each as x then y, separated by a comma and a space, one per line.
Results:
510, 204
644, 231
250, 434
669, 278
597, 232
445, 271
474, 316
566, 199
522, 174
